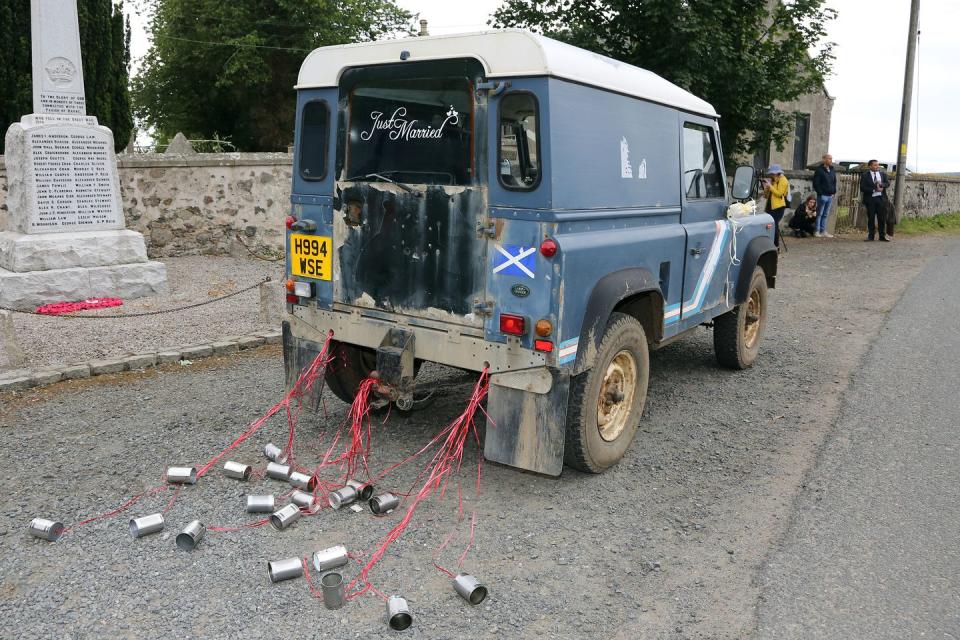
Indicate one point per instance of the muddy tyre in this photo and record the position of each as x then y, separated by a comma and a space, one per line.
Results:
607, 401
738, 332
349, 367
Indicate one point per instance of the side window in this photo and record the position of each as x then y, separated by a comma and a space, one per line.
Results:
702, 178
314, 138
518, 149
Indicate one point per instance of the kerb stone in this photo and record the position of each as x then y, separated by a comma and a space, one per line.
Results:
199, 351
112, 365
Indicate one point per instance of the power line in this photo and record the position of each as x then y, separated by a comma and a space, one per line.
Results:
233, 44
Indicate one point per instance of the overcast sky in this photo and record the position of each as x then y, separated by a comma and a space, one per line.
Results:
871, 37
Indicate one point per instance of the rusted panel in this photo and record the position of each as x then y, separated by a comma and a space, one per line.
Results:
527, 430
412, 252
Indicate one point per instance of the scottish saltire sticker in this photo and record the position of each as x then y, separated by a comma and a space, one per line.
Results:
515, 260
568, 350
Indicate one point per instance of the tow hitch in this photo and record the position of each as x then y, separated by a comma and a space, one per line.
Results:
396, 368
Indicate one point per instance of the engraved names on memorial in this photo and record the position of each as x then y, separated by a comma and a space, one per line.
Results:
73, 177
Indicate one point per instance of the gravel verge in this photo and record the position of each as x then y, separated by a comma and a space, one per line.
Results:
48, 341
668, 544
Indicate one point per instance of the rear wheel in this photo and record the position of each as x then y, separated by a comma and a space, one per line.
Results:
606, 402
350, 366
738, 332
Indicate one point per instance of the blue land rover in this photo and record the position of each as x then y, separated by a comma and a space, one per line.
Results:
503, 200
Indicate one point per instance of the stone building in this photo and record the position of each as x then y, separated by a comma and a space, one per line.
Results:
810, 137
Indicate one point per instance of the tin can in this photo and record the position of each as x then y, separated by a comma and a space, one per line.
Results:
284, 569
303, 481
182, 475
260, 504
383, 503
330, 558
146, 525
190, 537
342, 496
274, 453
305, 501
332, 586
470, 588
237, 470
398, 613
46, 529
278, 471
285, 517
364, 490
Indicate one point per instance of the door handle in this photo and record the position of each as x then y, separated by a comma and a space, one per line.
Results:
696, 251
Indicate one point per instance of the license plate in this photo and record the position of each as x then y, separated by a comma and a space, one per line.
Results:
310, 256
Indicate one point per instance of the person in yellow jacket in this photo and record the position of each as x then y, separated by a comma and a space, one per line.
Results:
776, 188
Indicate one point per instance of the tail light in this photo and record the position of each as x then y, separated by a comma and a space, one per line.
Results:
548, 248
543, 345
292, 297
513, 325
289, 221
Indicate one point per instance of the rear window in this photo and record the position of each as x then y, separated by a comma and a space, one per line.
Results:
416, 130
314, 137
518, 151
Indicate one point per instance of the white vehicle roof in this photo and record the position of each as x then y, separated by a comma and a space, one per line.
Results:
503, 53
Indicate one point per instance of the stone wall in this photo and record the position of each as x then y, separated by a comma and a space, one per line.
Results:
924, 196
198, 204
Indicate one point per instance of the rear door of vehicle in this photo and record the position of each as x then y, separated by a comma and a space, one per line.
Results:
408, 195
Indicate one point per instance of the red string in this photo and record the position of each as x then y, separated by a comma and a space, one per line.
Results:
176, 494
306, 573
304, 383
126, 505
443, 464
249, 525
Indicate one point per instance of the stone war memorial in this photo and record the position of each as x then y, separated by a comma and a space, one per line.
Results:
67, 239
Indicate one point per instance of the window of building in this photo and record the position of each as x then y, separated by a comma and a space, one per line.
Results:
702, 177
314, 139
801, 140
518, 150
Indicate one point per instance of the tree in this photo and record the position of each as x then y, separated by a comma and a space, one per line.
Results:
105, 53
739, 56
220, 70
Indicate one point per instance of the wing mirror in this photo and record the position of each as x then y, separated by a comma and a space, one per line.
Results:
744, 183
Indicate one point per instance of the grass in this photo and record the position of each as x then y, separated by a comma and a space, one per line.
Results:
943, 223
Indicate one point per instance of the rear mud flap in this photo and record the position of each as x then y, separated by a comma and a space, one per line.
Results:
527, 420
298, 354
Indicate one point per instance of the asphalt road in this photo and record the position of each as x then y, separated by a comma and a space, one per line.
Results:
873, 550
671, 543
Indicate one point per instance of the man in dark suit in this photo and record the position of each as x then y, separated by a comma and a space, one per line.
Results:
873, 182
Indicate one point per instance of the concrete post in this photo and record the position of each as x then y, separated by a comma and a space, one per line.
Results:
11, 355
271, 304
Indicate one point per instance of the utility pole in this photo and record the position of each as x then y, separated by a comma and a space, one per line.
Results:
905, 109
